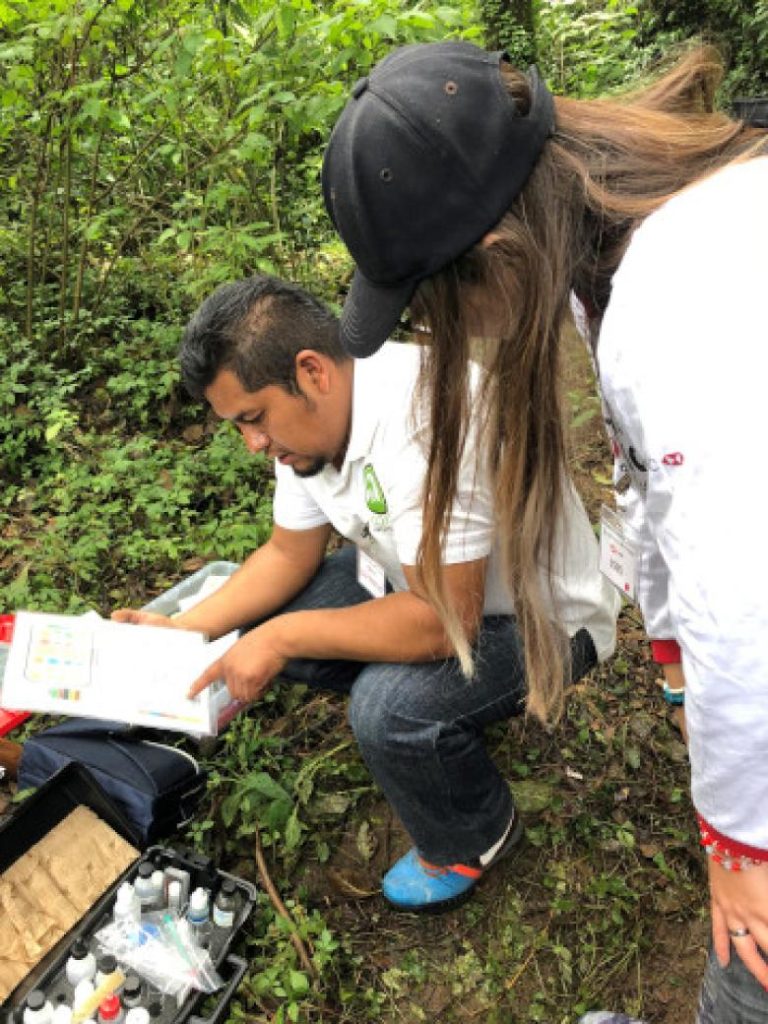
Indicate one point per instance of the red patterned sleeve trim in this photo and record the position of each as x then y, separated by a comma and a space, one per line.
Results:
666, 652
733, 855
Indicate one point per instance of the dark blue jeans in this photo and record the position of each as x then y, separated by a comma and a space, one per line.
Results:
420, 726
731, 995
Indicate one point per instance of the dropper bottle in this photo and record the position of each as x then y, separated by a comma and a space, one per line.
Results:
225, 905
198, 917
127, 909
105, 966
131, 991
110, 1010
144, 886
37, 1009
81, 963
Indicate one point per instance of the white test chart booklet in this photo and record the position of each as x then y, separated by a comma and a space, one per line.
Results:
89, 666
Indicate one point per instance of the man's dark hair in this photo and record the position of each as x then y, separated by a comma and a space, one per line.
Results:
256, 328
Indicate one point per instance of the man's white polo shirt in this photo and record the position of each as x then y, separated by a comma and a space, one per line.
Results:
375, 499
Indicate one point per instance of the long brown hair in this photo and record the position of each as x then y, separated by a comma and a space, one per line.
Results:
609, 164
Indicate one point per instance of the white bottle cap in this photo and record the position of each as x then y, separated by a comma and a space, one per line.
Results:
126, 897
43, 1016
174, 895
198, 901
137, 1015
62, 1014
157, 879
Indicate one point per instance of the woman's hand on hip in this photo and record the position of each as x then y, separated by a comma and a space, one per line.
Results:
740, 915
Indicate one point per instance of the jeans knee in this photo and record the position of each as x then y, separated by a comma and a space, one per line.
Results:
389, 714
367, 712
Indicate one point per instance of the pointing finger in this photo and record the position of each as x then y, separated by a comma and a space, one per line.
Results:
211, 674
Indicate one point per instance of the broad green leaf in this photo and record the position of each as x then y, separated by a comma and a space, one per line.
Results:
299, 983
264, 784
292, 832
385, 25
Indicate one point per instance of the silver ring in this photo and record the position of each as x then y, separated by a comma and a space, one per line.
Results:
738, 933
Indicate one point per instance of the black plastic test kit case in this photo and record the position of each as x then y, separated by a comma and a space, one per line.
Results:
36, 816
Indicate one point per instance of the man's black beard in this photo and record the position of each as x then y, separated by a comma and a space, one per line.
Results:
317, 467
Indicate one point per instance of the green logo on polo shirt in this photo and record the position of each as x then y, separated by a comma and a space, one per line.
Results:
374, 496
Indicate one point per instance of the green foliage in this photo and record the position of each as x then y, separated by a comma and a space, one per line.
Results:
176, 143
510, 25
741, 30
82, 489
588, 47
140, 507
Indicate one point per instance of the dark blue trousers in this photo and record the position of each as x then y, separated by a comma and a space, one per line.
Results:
420, 726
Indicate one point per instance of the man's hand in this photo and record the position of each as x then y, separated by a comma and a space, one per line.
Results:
248, 667
139, 618
740, 902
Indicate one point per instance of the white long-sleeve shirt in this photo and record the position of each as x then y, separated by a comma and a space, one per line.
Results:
683, 361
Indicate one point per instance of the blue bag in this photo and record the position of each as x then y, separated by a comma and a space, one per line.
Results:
157, 787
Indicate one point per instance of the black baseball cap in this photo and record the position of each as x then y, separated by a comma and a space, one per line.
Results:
427, 156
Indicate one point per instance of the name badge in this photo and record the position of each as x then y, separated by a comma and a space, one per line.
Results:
618, 552
370, 574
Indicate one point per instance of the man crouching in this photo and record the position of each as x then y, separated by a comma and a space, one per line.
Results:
350, 446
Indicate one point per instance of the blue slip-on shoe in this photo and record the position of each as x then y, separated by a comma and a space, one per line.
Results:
606, 1017
415, 884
